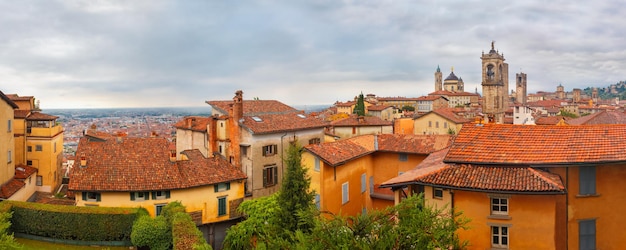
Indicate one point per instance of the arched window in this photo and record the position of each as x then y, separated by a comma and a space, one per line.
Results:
490, 73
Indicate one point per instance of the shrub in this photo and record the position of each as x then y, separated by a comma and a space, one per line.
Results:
185, 234
153, 233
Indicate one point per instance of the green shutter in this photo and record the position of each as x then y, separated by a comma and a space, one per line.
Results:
146, 195
153, 195
263, 150
167, 194
275, 181
98, 197
216, 187
84, 196
265, 177
132, 196
227, 185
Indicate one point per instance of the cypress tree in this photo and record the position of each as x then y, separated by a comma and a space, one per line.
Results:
359, 108
295, 200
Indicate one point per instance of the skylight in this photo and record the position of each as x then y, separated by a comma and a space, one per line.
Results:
301, 116
257, 119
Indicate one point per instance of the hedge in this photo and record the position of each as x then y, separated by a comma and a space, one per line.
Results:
185, 234
73, 223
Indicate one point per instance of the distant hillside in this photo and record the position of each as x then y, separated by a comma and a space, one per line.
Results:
610, 92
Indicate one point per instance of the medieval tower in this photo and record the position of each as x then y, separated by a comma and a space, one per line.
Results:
520, 88
438, 77
495, 82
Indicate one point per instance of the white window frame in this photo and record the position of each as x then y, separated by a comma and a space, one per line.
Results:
496, 202
141, 196
345, 193
499, 235
92, 196
160, 195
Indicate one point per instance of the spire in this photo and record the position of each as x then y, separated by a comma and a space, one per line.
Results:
438, 70
452, 68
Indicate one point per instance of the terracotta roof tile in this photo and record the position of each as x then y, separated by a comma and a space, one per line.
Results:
10, 188
15, 97
550, 120
38, 116
450, 114
20, 113
23, 171
345, 104
433, 171
398, 98
339, 152
195, 123
274, 123
143, 164
353, 120
8, 100
431, 98
602, 117
254, 107
378, 107
520, 144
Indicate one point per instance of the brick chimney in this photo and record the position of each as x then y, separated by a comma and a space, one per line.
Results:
238, 105
83, 161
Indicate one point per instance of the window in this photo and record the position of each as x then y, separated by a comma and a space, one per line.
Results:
29, 148
445, 124
220, 150
436, 124
353, 130
10, 156
317, 164
270, 176
587, 180
221, 206
39, 180
499, 206
10, 125
499, 236
371, 184
38, 148
437, 193
345, 196
317, 201
158, 208
220, 187
403, 157
363, 183
91, 196
270, 150
160, 195
587, 234
29, 163
315, 141
139, 196
430, 124
55, 147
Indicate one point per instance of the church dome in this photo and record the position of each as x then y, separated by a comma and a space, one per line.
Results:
452, 76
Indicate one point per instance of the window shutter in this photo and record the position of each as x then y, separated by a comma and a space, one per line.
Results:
265, 177
216, 187
264, 151
363, 183
587, 180
275, 148
146, 195
275, 180
98, 197
154, 195
227, 185
132, 196
84, 196
167, 194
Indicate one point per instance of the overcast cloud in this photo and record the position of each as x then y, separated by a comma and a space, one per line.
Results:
95, 54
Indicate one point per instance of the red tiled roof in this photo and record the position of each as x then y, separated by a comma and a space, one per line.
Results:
516, 144
275, 123
195, 123
22, 171
399, 98
345, 104
15, 97
339, 152
8, 100
449, 113
38, 116
20, 113
254, 107
550, 120
353, 120
430, 98
546, 103
378, 107
433, 171
10, 188
143, 164
602, 117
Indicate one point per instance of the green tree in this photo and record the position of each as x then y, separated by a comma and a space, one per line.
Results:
7, 241
408, 108
295, 199
258, 228
359, 108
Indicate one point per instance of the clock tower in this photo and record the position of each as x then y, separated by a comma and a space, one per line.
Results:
495, 83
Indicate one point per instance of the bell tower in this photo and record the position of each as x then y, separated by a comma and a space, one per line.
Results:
520, 87
438, 81
495, 83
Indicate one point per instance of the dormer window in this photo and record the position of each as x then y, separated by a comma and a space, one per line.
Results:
257, 119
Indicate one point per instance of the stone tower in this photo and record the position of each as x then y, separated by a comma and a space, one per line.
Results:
576, 95
438, 81
520, 88
495, 82
560, 92
594, 95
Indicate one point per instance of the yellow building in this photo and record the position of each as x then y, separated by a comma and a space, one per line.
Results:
439, 122
38, 142
346, 174
360, 125
529, 187
118, 171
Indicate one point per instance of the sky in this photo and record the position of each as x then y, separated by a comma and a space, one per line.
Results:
159, 53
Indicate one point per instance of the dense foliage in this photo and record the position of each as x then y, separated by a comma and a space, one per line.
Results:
359, 108
6, 239
185, 234
273, 223
151, 232
73, 223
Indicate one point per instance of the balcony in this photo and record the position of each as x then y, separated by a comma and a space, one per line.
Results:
44, 132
